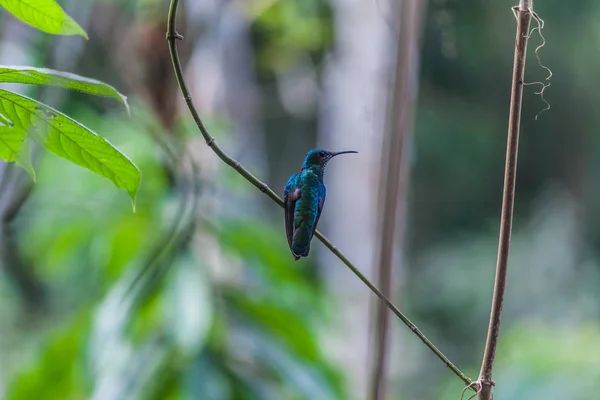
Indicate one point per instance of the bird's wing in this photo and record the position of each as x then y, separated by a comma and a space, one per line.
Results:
322, 195
290, 195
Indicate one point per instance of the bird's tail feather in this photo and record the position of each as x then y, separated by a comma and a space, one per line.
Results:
301, 241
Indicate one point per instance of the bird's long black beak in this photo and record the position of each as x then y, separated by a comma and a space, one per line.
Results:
343, 152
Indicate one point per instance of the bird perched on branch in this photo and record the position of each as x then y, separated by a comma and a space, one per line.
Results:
303, 199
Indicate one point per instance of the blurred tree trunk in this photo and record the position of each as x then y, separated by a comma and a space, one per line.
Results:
239, 96
394, 184
353, 116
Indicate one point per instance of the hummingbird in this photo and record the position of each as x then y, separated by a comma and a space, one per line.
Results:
303, 200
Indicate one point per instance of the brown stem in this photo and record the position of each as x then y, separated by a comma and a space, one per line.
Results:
523, 13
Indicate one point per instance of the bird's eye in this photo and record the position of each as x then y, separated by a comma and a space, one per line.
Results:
322, 154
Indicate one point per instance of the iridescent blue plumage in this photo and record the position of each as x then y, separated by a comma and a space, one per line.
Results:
304, 197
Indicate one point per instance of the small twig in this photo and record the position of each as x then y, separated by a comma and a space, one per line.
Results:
485, 381
172, 35
476, 390
475, 394
539, 28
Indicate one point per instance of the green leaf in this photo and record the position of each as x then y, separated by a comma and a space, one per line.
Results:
13, 145
50, 77
69, 139
45, 15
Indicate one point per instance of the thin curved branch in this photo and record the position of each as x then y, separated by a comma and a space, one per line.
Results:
172, 36
179, 232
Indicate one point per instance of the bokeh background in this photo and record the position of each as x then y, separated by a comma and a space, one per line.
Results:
195, 295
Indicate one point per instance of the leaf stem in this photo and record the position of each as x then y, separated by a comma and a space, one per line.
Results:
172, 36
523, 12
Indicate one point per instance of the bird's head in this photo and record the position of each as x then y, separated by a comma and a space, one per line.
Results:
320, 157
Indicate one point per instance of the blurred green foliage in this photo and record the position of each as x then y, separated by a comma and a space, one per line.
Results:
288, 28
173, 303
175, 326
